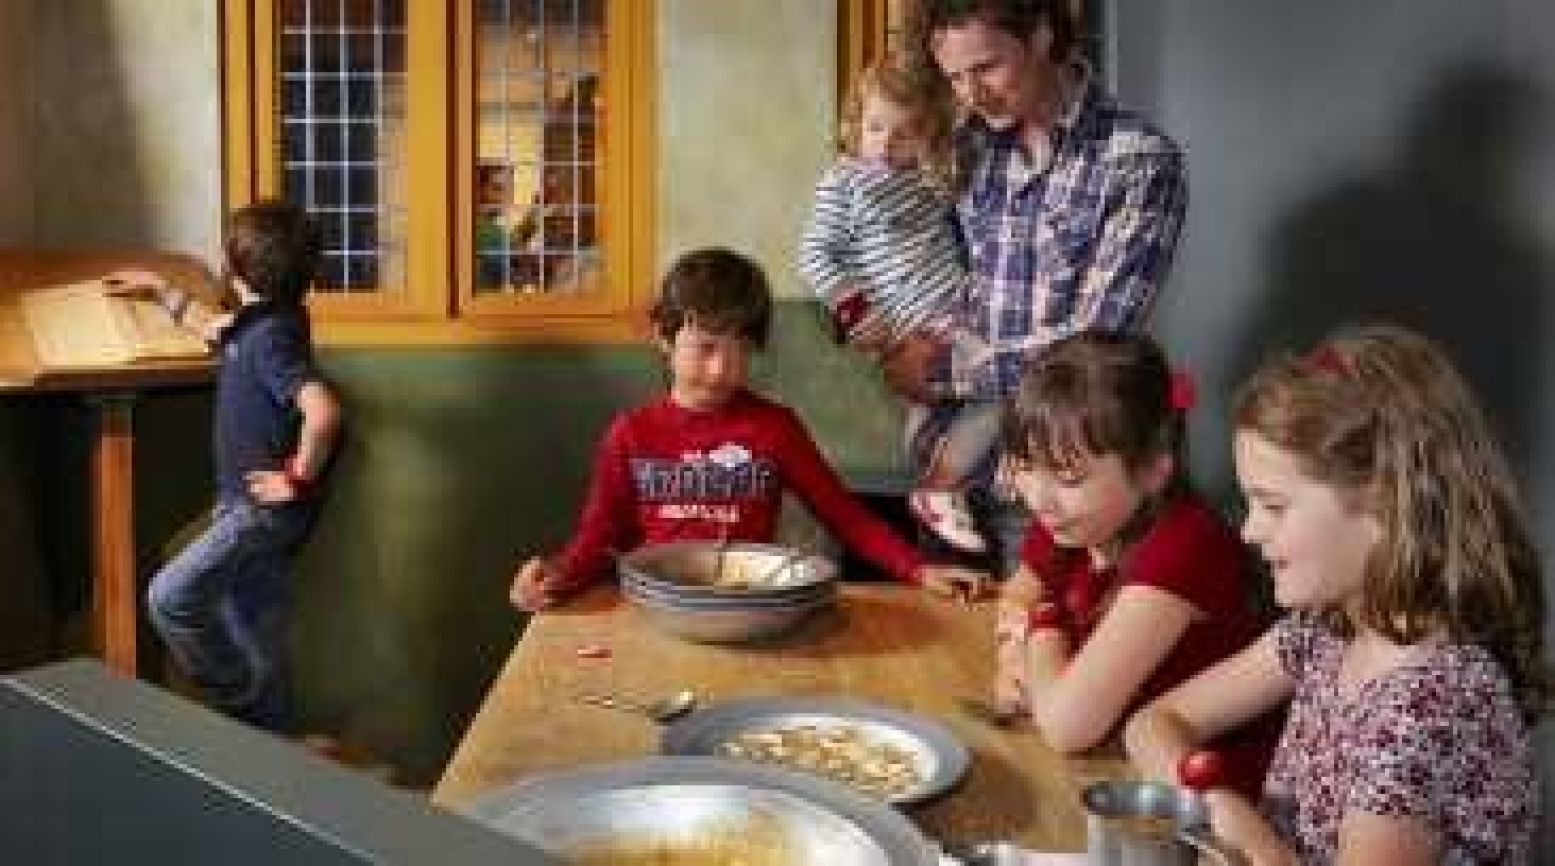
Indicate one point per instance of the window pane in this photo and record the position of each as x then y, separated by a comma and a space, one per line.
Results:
537, 163
342, 128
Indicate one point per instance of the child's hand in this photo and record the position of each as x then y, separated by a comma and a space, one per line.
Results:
953, 581
134, 283
271, 487
1019, 594
537, 585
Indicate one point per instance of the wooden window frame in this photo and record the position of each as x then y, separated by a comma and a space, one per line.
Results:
438, 305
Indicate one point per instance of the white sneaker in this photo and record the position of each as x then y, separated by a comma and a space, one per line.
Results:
945, 513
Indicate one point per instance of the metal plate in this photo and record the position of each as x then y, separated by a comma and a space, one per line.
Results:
939, 758
684, 801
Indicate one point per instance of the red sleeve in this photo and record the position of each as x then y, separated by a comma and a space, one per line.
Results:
1190, 553
1036, 550
605, 523
806, 472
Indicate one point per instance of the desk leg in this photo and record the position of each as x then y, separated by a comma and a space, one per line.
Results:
113, 533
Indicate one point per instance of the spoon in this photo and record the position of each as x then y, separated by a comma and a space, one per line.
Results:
662, 710
985, 711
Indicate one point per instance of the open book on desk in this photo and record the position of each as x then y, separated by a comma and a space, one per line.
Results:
79, 325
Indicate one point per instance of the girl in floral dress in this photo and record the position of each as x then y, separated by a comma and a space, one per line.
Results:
1412, 652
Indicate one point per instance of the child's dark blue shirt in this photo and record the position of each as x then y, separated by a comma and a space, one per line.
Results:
266, 357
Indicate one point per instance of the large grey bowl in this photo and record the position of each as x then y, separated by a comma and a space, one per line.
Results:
635, 586
730, 623
709, 569
685, 804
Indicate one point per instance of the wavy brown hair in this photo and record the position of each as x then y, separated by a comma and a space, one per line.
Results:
915, 90
1380, 413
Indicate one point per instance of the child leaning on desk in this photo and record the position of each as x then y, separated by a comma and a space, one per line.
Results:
221, 604
1129, 582
711, 459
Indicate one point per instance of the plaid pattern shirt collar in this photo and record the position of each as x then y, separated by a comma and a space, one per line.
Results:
1077, 238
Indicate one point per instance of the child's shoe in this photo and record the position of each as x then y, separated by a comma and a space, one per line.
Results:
945, 513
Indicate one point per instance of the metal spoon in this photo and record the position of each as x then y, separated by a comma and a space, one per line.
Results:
662, 710
984, 710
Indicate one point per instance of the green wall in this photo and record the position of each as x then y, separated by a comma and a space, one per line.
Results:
459, 462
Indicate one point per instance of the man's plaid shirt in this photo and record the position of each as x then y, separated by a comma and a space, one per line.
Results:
1079, 239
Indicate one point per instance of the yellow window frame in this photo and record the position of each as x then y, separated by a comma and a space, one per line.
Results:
438, 305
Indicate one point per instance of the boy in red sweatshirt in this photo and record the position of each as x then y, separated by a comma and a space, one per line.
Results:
711, 459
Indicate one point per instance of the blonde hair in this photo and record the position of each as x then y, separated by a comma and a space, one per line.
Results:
913, 89
1381, 413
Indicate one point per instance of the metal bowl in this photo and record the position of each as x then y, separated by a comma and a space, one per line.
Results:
698, 568
634, 586
726, 624
939, 759
682, 807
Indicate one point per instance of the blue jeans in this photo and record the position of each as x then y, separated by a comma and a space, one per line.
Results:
222, 603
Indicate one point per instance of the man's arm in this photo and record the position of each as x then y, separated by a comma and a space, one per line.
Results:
1134, 251
1135, 244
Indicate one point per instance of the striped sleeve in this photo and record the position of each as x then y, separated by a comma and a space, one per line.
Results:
823, 248
907, 249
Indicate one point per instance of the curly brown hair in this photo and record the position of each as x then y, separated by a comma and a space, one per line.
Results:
1380, 413
915, 90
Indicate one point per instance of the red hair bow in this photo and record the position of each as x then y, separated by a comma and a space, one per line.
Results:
1327, 359
1182, 393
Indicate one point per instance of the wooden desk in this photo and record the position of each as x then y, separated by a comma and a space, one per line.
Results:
111, 392
884, 643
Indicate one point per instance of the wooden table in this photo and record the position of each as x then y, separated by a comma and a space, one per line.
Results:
885, 643
111, 392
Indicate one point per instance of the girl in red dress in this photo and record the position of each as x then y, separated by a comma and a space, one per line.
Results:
1129, 582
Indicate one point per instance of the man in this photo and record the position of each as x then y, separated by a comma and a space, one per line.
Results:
1071, 208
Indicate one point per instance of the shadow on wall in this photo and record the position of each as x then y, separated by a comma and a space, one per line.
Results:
1441, 243
99, 194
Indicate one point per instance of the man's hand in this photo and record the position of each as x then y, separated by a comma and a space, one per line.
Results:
536, 585
953, 581
906, 366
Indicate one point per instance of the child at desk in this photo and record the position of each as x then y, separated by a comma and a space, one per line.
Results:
712, 459
1129, 582
1413, 654
221, 604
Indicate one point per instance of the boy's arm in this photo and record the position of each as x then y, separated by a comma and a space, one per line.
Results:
321, 417
806, 472
186, 310
320, 428
606, 519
